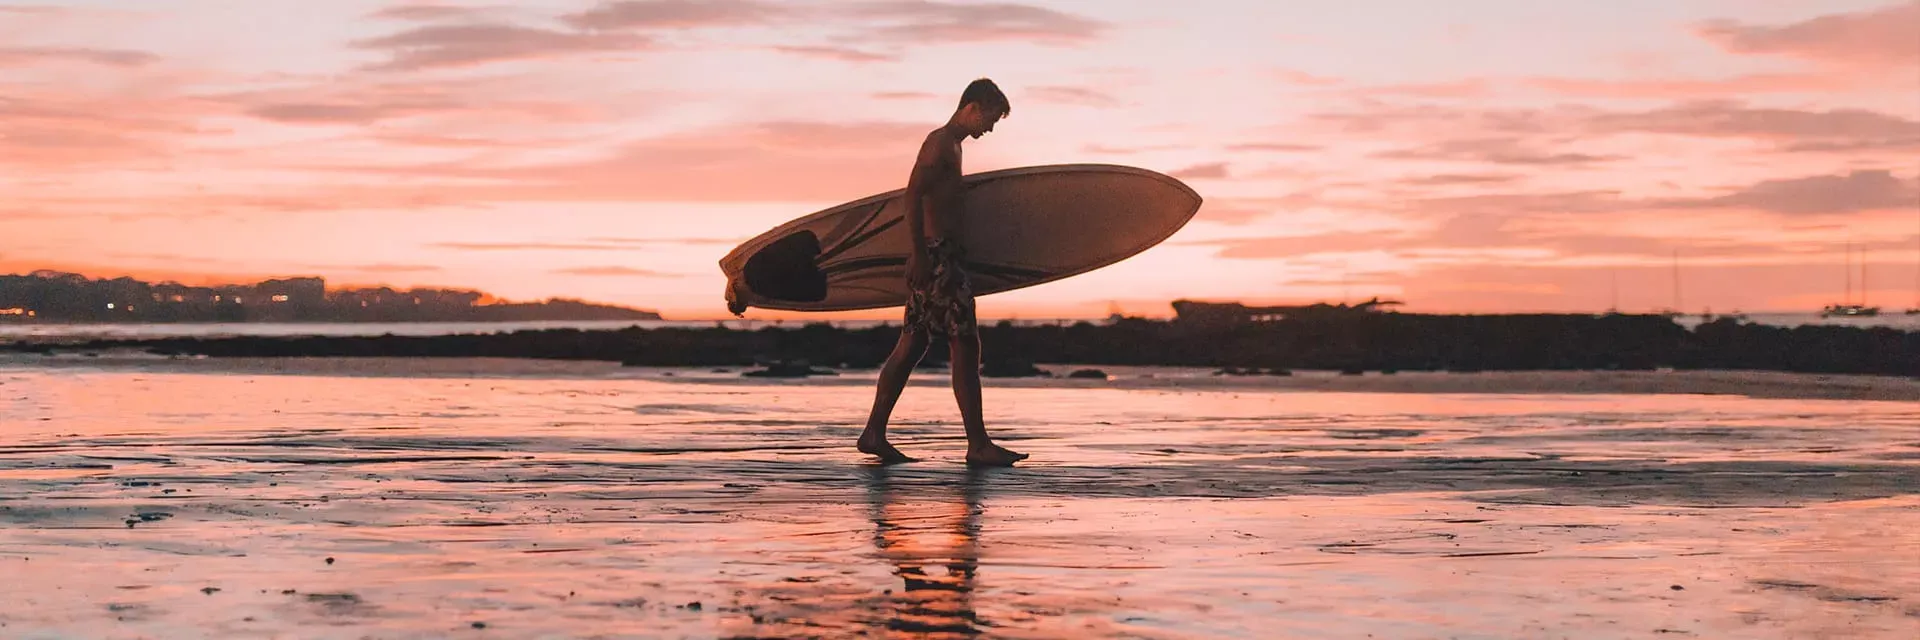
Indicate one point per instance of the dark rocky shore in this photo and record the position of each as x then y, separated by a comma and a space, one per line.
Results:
1382, 342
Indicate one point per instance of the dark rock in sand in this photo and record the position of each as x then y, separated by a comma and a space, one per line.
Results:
788, 370
1093, 374
1012, 369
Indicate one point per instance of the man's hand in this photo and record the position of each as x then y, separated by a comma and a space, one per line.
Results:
919, 272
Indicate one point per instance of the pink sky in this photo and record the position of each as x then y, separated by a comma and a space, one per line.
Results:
1484, 155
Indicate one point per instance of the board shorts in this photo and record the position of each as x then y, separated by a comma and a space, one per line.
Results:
944, 307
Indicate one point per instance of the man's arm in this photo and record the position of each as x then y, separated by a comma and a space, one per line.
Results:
925, 167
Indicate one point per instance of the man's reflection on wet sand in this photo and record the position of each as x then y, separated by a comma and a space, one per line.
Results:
933, 543
925, 528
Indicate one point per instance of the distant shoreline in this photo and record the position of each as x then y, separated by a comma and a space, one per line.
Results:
1386, 342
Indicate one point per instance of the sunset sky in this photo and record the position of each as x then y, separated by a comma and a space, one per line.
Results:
1469, 155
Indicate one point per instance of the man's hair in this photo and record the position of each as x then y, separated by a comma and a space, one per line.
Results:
987, 94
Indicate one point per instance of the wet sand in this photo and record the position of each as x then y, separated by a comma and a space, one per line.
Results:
497, 500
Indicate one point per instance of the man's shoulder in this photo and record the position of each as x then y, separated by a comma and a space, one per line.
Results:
938, 145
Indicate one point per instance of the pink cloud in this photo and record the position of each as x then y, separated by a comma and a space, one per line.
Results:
1460, 178
378, 267
1690, 88
1284, 147
1853, 192
617, 271
1724, 118
903, 95
927, 21
1207, 171
1302, 78
766, 161
464, 45
1121, 151
1083, 96
62, 127
362, 102
1492, 150
1467, 88
843, 54
677, 14
1875, 37
428, 12
112, 57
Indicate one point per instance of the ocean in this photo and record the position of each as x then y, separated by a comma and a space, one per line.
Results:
315, 498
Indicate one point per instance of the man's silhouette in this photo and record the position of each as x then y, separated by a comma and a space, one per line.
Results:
941, 300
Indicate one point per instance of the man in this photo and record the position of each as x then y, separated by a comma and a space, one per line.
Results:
941, 300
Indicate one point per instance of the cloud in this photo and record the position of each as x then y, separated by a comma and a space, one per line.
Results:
1856, 191
1274, 146
1302, 78
1083, 96
492, 101
531, 246
1207, 171
903, 22
1695, 88
1460, 178
1467, 88
428, 12
1856, 146
1095, 147
59, 126
1722, 118
924, 21
1886, 35
1292, 246
1239, 211
777, 161
464, 45
1505, 135
1491, 150
617, 271
906, 95
670, 240
378, 267
842, 54
110, 57
677, 14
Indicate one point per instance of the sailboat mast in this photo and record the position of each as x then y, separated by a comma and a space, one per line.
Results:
1676, 280
1847, 297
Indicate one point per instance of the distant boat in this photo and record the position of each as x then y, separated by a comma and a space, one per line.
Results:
1853, 311
1847, 308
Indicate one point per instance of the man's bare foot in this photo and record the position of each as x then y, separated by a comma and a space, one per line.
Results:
883, 449
992, 455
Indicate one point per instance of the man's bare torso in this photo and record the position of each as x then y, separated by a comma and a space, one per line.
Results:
939, 206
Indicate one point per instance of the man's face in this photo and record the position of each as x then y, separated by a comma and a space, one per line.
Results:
984, 119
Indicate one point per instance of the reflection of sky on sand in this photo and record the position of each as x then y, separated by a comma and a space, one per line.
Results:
575, 507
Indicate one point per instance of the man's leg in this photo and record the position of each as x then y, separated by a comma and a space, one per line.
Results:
893, 380
981, 450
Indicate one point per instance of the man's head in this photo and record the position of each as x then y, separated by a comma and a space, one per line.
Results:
981, 105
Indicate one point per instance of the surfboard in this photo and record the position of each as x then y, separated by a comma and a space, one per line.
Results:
1022, 227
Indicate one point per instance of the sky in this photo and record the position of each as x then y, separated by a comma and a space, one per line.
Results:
1467, 156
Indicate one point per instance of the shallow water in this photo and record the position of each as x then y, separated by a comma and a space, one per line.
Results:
182, 502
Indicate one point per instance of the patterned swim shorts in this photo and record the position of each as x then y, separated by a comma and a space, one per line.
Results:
945, 306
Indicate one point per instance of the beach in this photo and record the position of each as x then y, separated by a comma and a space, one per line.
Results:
483, 498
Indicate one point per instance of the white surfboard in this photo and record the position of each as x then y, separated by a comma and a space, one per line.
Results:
1021, 227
